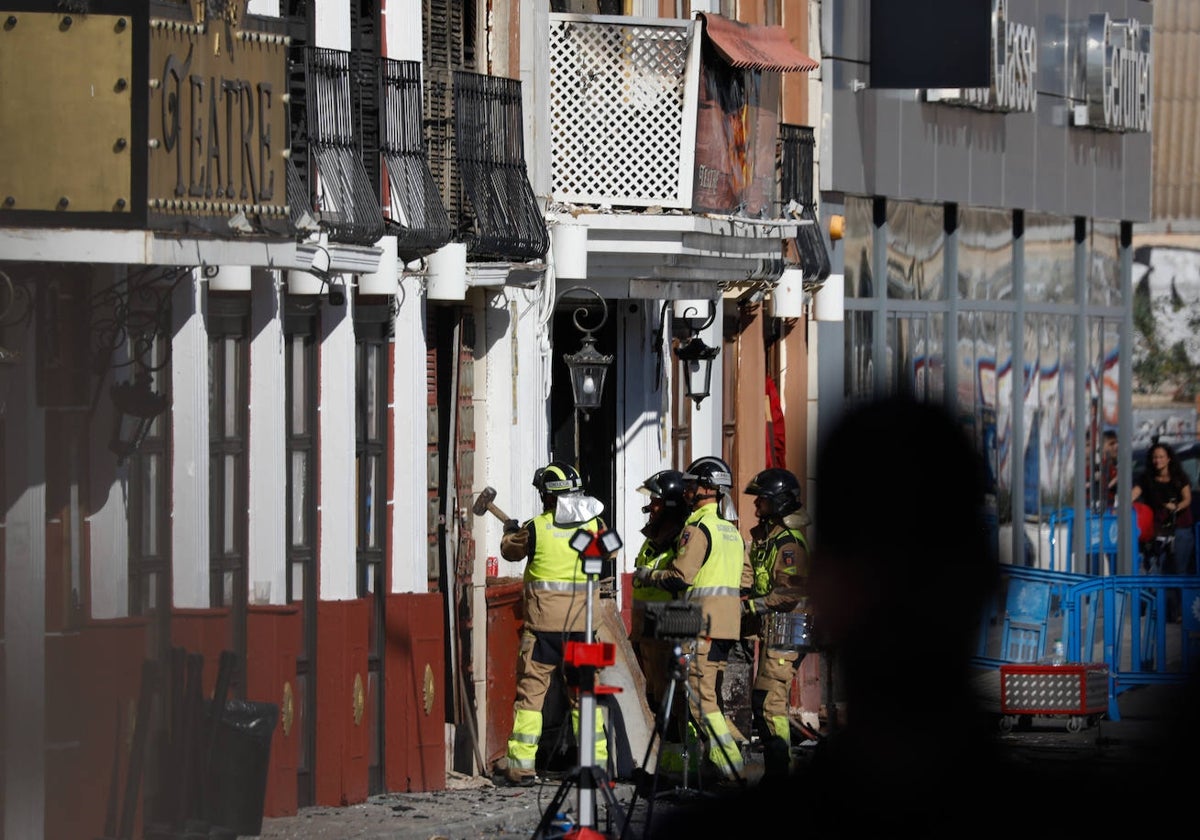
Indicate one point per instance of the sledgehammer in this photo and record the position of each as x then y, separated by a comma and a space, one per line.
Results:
485, 502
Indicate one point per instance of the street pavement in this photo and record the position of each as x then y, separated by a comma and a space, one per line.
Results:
1152, 717
468, 808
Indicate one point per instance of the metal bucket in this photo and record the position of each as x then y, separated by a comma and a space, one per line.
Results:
787, 631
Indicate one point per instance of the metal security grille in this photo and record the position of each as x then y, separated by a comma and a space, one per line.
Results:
796, 152
618, 115
348, 206
490, 151
796, 144
415, 212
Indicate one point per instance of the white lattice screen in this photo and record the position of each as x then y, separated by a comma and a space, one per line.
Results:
618, 94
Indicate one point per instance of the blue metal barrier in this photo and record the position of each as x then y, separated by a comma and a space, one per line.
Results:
1120, 620
1102, 541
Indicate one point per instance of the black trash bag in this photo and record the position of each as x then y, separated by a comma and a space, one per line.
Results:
236, 782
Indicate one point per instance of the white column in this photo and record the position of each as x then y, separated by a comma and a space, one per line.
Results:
337, 501
707, 417
409, 504
24, 607
189, 448
267, 442
644, 413
108, 524
333, 24
402, 29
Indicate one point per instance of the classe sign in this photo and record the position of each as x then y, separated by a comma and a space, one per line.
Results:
218, 128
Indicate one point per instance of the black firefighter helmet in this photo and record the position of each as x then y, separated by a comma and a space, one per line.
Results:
779, 487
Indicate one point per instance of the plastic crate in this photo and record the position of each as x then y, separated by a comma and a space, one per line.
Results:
1077, 690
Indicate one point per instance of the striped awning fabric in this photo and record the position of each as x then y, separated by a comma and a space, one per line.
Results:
755, 46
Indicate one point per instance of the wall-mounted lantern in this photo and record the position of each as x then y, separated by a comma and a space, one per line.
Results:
131, 328
588, 366
136, 405
697, 357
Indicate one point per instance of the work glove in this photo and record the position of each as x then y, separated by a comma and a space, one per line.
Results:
511, 526
641, 575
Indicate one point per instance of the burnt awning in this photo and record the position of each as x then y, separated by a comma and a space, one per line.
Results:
755, 46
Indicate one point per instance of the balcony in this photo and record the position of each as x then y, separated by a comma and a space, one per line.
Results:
633, 115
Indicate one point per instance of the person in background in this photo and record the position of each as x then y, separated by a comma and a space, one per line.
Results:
1108, 468
555, 607
775, 584
666, 511
707, 570
1165, 488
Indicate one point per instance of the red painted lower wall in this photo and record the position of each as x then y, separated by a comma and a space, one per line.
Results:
342, 758
272, 645
93, 679
207, 632
415, 693
505, 620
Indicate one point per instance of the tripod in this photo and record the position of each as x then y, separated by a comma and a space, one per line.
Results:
679, 667
586, 658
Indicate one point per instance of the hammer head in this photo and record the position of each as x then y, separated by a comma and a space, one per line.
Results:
486, 496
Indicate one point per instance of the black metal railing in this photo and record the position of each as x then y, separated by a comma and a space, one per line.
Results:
415, 211
490, 154
797, 144
346, 203
796, 154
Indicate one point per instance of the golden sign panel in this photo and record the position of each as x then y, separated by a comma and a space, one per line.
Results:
65, 115
218, 120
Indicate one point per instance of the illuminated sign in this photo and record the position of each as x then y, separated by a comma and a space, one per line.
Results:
1118, 68
218, 126
1014, 69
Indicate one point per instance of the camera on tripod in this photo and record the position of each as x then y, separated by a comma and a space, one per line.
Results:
673, 621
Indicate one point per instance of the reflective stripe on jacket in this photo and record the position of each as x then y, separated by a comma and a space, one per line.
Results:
716, 585
555, 585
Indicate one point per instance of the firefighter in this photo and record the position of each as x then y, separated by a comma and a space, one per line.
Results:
555, 608
666, 512
775, 583
707, 570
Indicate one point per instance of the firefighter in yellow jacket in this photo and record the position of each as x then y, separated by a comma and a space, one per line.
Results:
666, 512
775, 581
555, 606
707, 570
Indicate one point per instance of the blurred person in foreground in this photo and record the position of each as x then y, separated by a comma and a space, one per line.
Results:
899, 604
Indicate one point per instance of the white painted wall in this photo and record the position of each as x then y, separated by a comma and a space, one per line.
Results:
409, 563
644, 413
336, 508
402, 29
189, 447
518, 390
108, 528
267, 545
706, 418
108, 542
333, 24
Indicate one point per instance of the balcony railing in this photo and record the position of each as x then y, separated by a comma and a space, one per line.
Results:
329, 181
415, 211
623, 95
473, 126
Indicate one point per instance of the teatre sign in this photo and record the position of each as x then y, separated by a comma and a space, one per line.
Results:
218, 124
